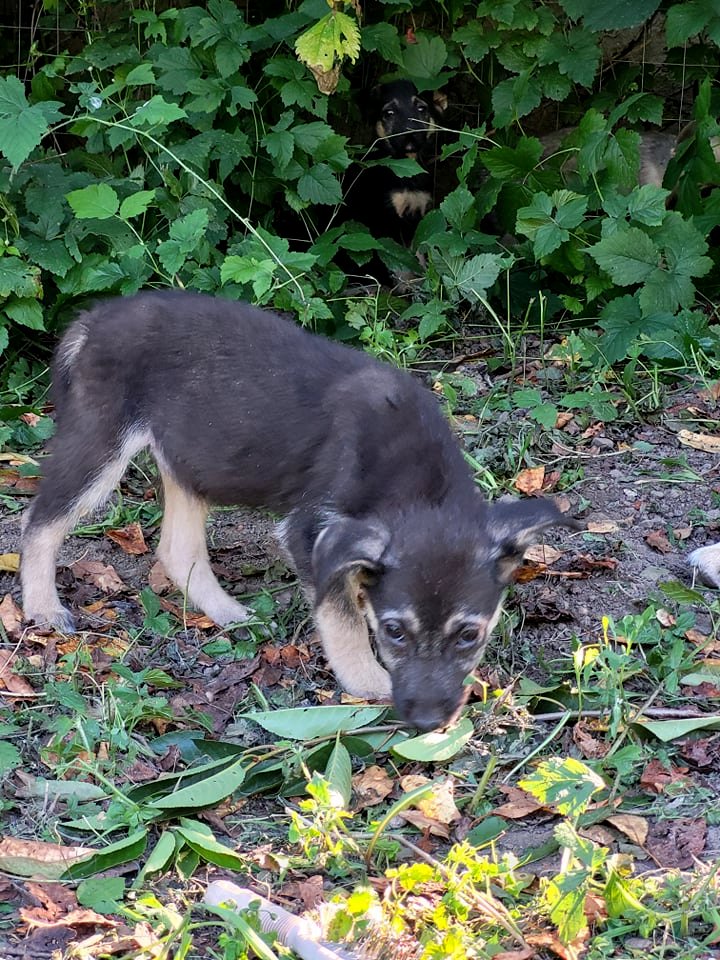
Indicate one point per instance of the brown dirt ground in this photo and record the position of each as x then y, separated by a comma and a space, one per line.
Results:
640, 491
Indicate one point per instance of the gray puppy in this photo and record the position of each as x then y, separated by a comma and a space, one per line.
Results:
384, 523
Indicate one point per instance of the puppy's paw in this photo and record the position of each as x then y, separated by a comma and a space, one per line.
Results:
706, 561
58, 618
374, 683
226, 611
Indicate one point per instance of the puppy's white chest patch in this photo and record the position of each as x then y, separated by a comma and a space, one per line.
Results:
408, 203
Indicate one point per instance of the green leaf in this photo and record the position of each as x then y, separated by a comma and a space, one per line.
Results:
623, 323
10, 758
576, 53
629, 256
486, 831
425, 59
382, 38
437, 746
338, 773
515, 98
646, 204
97, 201
333, 37
28, 312
243, 932
18, 277
686, 20
280, 144
136, 204
667, 730
185, 236
565, 895
211, 850
203, 793
102, 894
611, 14
679, 593
567, 784
22, 126
319, 185
308, 723
156, 113
160, 857
477, 275
457, 208
140, 76
123, 851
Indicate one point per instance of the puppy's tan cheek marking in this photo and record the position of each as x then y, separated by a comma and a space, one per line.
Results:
380, 129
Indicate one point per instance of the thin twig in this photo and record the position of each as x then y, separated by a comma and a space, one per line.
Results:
660, 713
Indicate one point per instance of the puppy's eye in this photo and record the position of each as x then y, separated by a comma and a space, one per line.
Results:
388, 113
421, 107
467, 638
395, 632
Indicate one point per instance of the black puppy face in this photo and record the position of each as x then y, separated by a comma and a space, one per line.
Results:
430, 582
404, 119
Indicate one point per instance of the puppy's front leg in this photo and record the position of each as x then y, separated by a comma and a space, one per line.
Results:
346, 642
183, 552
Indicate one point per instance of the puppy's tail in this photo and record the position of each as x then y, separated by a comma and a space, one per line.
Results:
64, 362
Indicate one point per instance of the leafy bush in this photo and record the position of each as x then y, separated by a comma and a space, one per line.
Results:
190, 147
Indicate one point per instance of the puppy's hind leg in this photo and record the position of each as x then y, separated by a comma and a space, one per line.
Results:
183, 552
344, 634
706, 560
81, 474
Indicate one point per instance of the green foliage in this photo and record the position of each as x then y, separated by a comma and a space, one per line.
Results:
164, 152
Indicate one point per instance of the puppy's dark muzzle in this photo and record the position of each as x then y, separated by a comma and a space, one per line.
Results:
428, 704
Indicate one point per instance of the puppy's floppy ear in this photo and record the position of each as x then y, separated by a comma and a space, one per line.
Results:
440, 101
514, 525
347, 545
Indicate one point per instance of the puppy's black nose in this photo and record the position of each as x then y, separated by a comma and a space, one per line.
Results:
428, 716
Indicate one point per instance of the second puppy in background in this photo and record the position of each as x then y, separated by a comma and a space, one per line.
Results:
405, 124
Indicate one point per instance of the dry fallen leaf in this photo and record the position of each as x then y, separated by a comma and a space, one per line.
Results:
9, 562
590, 747
158, 580
101, 575
602, 526
563, 419
550, 941
425, 823
309, 891
129, 538
371, 786
665, 618
699, 441
677, 843
518, 805
542, 553
634, 827
656, 777
31, 858
198, 620
526, 953
18, 686
530, 480
11, 616
439, 804
659, 541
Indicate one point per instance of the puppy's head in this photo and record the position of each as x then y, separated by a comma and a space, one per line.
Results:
430, 582
404, 119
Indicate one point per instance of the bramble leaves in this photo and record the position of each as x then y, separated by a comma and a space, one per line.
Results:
22, 126
98, 201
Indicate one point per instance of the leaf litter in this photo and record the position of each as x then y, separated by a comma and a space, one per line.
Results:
289, 673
